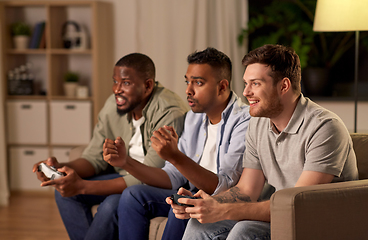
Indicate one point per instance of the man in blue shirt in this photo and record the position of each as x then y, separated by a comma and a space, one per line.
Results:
207, 156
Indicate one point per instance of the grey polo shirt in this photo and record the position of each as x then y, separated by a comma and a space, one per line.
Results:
315, 139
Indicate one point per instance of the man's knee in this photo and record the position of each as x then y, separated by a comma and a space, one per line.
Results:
250, 230
217, 230
109, 205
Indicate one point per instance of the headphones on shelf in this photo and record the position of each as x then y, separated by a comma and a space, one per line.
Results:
71, 36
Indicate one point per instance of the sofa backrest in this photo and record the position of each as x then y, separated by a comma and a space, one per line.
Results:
360, 145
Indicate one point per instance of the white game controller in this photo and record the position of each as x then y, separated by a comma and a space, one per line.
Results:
50, 171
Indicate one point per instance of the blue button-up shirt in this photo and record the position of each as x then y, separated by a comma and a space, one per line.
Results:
230, 144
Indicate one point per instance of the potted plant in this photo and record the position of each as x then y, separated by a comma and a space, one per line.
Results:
290, 23
70, 83
21, 33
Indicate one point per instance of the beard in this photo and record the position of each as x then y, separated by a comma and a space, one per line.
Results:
197, 108
272, 107
128, 109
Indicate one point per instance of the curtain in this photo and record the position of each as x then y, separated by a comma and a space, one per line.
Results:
169, 30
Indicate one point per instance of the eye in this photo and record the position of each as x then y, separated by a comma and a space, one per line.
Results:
186, 82
126, 83
199, 83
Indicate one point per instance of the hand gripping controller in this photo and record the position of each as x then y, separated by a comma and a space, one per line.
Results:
50, 171
175, 197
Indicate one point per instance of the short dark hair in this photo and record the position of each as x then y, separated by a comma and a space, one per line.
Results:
141, 63
284, 62
219, 61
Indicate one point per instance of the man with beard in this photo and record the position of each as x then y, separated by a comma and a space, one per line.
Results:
290, 142
138, 107
207, 155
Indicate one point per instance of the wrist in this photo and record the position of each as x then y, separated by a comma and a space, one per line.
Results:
176, 157
83, 186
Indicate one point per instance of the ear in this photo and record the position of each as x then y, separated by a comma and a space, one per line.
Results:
149, 84
285, 85
223, 86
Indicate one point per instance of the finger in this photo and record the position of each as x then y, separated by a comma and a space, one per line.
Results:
51, 161
110, 141
41, 176
201, 194
183, 191
66, 170
169, 201
165, 134
108, 151
159, 136
110, 157
172, 131
35, 167
110, 145
119, 142
48, 183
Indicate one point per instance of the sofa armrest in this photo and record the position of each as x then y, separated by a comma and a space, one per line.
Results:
326, 211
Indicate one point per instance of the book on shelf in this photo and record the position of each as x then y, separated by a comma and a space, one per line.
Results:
43, 38
37, 35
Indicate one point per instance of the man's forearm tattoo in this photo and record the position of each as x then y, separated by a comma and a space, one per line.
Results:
232, 195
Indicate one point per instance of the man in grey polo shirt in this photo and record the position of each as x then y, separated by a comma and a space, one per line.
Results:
290, 142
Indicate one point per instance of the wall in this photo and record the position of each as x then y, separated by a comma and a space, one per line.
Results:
167, 31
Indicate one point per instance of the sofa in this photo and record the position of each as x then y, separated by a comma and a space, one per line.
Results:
327, 211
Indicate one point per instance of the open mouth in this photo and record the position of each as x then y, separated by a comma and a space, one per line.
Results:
191, 102
120, 100
253, 102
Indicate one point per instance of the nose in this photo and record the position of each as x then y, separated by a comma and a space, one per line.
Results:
189, 90
247, 90
116, 88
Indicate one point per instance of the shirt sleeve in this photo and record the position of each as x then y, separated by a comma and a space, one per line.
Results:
328, 148
231, 154
176, 178
93, 151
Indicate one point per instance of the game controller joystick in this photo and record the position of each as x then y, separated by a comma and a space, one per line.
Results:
50, 171
175, 197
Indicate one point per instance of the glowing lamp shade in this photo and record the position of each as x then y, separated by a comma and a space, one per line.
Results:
344, 16
341, 16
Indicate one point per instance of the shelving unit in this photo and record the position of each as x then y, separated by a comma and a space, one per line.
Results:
66, 122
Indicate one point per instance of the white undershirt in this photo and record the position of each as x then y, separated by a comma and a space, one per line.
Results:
209, 159
135, 144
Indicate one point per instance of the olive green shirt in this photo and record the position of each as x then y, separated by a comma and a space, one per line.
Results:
164, 108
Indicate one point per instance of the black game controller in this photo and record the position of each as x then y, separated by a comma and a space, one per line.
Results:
175, 197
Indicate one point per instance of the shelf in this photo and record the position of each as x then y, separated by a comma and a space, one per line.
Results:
69, 51
61, 51
27, 97
26, 51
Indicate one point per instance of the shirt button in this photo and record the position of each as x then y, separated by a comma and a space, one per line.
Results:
197, 155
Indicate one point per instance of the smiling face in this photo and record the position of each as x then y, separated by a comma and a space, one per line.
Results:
262, 94
129, 89
202, 88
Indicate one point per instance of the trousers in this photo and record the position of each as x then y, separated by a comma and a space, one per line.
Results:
138, 205
77, 216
